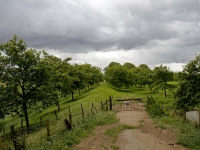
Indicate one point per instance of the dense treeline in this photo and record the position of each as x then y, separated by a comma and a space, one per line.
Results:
129, 75
186, 92
29, 78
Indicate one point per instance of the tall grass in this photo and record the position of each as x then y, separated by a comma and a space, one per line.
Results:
66, 139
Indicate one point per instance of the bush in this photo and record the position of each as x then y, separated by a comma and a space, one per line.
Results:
154, 109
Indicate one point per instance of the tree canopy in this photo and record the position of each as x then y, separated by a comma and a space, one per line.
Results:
30, 77
188, 92
25, 76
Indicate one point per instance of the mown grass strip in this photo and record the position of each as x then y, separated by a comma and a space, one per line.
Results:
114, 131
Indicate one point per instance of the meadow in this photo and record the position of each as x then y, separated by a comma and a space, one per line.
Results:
61, 138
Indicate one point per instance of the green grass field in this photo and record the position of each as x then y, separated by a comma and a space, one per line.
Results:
37, 140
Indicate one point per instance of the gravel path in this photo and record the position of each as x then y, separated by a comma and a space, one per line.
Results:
147, 137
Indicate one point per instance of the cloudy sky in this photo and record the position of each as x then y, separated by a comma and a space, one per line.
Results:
151, 32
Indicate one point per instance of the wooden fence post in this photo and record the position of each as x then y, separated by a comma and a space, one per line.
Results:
58, 106
48, 129
13, 137
56, 115
106, 104
82, 111
110, 99
92, 104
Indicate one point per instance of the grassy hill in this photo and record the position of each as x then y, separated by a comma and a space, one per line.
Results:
61, 138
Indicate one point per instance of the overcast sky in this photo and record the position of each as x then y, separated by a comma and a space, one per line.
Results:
151, 32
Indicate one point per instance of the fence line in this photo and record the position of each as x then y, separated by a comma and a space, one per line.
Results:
68, 124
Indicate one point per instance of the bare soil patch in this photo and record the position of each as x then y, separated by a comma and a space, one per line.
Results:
147, 137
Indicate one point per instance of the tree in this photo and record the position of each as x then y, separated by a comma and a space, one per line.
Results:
188, 92
93, 74
25, 78
143, 75
129, 65
162, 75
84, 75
111, 65
118, 76
59, 78
140, 75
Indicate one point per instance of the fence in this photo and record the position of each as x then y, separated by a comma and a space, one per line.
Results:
71, 121
128, 104
193, 116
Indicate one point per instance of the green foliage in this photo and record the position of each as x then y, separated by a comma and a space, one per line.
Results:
114, 147
118, 75
142, 76
161, 76
66, 139
188, 92
83, 76
188, 134
129, 65
191, 140
25, 76
32, 79
154, 108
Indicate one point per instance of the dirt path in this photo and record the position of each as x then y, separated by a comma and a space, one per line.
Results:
147, 137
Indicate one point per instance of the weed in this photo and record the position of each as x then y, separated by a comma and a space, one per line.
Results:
141, 121
114, 131
66, 139
114, 147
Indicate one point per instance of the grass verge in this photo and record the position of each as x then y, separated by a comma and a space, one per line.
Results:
114, 131
66, 139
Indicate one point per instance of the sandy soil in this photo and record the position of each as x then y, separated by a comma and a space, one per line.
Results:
147, 137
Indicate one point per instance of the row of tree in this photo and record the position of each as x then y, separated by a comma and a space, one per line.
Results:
186, 92
128, 75
29, 77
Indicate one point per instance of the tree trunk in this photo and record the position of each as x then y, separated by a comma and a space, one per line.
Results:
165, 93
72, 95
58, 106
26, 115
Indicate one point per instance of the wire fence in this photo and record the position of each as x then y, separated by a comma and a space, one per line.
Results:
50, 127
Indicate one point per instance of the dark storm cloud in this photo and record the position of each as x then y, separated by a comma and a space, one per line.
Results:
168, 29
